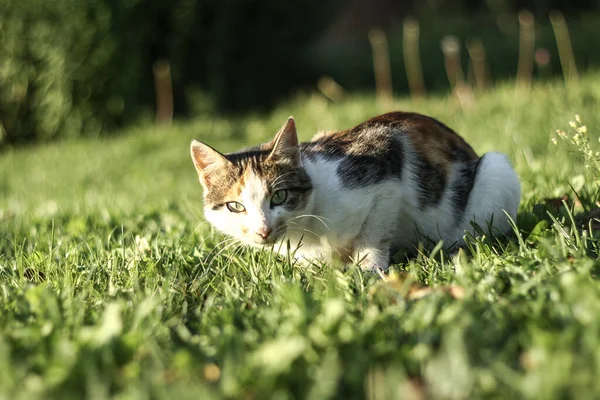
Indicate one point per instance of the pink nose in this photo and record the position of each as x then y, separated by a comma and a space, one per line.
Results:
264, 232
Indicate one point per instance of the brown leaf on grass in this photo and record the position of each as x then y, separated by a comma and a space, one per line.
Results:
398, 280
457, 292
557, 202
405, 285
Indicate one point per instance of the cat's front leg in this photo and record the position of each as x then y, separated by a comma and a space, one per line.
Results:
373, 258
301, 253
372, 247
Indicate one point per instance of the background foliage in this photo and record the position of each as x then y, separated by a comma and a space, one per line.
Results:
85, 67
350, 63
77, 67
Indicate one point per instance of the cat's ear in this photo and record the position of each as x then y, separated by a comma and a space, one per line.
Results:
206, 160
285, 143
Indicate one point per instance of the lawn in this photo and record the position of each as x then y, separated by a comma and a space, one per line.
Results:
112, 285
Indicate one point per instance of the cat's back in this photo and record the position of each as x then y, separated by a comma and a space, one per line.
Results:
382, 147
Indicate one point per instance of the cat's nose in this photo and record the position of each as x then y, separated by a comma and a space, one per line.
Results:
264, 232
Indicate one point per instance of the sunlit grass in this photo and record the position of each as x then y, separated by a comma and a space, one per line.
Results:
111, 284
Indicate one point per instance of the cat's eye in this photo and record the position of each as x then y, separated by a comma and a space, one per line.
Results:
235, 207
278, 197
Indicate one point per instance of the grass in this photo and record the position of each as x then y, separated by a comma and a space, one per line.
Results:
111, 284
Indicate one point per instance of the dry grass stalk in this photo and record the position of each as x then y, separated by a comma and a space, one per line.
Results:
526, 49
381, 64
477, 56
164, 91
412, 58
330, 88
462, 91
565, 50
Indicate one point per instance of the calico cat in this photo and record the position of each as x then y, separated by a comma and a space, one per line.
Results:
359, 194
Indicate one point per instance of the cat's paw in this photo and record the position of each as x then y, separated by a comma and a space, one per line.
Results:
375, 267
375, 262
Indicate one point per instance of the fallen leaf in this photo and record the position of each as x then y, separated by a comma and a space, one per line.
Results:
406, 285
457, 292
557, 202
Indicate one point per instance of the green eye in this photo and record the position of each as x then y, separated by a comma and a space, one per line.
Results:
278, 197
235, 207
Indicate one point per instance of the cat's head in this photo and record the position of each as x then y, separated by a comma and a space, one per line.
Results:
255, 194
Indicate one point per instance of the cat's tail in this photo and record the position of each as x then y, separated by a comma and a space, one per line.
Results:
495, 196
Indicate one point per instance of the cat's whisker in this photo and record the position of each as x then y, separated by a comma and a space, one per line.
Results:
232, 254
238, 250
311, 216
296, 228
318, 218
217, 246
235, 242
207, 238
228, 242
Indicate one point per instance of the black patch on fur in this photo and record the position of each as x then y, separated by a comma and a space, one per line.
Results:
380, 163
463, 186
328, 146
297, 198
292, 178
459, 154
367, 159
432, 183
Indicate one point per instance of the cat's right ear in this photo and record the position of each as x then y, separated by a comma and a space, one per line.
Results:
206, 160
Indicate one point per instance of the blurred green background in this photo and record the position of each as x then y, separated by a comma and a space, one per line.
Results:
84, 67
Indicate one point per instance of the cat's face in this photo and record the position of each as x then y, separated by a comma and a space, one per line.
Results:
255, 194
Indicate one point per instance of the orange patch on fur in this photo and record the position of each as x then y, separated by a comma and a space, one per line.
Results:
322, 134
236, 190
436, 143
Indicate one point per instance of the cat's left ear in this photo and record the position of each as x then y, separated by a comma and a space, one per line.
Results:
285, 144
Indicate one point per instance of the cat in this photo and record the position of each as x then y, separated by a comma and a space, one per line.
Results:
358, 195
